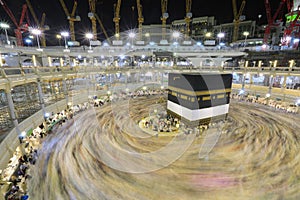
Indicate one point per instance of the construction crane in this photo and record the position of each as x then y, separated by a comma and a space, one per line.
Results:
189, 15
272, 20
91, 15
117, 18
236, 20
71, 17
20, 27
292, 26
140, 18
164, 17
41, 25
102, 27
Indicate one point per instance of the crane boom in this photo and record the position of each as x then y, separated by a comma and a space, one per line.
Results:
140, 18
9, 12
65, 8
271, 20
71, 17
43, 39
164, 17
91, 15
116, 19
32, 12
236, 20
19, 27
188, 9
102, 27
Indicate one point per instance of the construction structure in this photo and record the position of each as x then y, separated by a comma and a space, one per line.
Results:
236, 20
21, 26
71, 18
164, 17
140, 18
91, 15
274, 21
40, 24
188, 17
291, 35
117, 18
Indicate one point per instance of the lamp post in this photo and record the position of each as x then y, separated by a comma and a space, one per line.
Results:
246, 34
5, 27
131, 35
59, 39
28, 41
89, 36
65, 34
220, 36
175, 35
37, 32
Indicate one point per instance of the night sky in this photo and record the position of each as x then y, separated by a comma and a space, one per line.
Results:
56, 19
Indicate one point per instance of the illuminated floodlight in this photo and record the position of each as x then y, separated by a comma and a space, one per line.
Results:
298, 102
127, 89
36, 31
122, 56
58, 36
176, 34
23, 134
79, 56
199, 43
147, 34
264, 46
175, 43
108, 92
208, 34
89, 36
127, 44
144, 88
47, 115
162, 87
152, 43
105, 44
296, 40
268, 95
221, 35
65, 34
241, 92
28, 41
132, 34
143, 56
4, 25
246, 33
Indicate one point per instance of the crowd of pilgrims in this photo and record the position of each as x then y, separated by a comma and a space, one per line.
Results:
31, 143
30, 150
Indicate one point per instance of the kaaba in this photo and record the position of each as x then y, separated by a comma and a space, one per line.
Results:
197, 98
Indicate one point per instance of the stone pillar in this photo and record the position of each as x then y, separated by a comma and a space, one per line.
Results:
283, 86
12, 111
34, 60
65, 90
250, 80
1, 61
126, 79
243, 81
40, 91
271, 79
